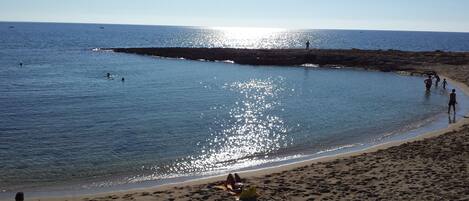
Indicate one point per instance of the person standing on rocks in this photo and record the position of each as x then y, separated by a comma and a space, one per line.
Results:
428, 83
307, 45
452, 101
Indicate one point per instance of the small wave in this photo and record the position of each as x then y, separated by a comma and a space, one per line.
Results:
421, 123
245, 164
310, 65
339, 148
225, 61
101, 50
169, 58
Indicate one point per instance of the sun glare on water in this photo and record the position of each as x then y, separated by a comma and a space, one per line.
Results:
247, 32
244, 138
247, 37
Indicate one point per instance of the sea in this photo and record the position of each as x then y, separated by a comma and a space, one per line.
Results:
66, 128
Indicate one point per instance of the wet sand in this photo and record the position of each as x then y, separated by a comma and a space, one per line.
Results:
434, 166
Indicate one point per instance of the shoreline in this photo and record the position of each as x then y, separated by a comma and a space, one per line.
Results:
261, 172
253, 174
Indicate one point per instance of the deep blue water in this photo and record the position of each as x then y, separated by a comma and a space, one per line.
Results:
65, 126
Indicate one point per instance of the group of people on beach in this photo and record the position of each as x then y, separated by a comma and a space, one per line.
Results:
428, 85
452, 96
429, 82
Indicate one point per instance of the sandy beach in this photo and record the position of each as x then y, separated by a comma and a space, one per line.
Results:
433, 166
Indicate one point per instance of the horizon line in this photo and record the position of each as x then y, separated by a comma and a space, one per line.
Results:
259, 27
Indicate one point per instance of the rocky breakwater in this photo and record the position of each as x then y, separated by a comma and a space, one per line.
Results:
383, 60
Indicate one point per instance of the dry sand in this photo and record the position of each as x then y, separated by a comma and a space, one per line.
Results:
434, 166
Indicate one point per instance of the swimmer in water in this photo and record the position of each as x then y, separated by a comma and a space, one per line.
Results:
122, 79
428, 83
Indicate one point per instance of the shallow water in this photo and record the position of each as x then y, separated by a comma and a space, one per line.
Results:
66, 127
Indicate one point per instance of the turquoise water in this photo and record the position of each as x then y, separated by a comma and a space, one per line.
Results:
65, 127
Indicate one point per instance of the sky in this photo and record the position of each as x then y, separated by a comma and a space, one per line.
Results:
415, 15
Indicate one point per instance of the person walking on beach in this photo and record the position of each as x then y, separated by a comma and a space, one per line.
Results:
307, 45
452, 101
444, 83
428, 83
437, 80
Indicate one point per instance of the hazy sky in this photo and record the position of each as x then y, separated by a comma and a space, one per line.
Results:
430, 15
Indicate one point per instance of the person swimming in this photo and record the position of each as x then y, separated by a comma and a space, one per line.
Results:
452, 101
122, 79
108, 75
428, 83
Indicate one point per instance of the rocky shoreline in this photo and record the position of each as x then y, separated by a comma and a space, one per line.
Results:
389, 60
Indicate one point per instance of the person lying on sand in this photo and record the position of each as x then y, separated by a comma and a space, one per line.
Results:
234, 184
